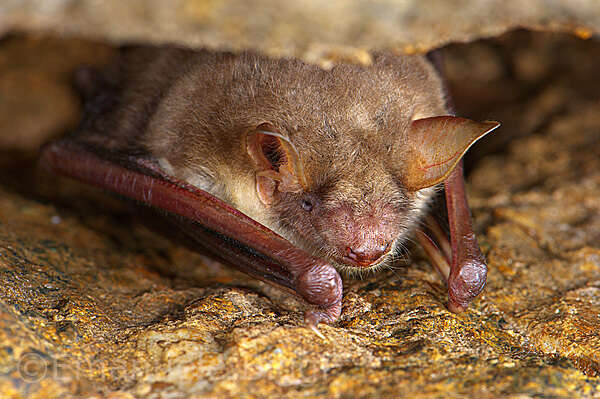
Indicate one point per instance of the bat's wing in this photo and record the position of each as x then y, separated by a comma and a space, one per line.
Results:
227, 233
468, 269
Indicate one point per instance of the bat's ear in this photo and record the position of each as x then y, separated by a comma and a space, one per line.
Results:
278, 166
435, 145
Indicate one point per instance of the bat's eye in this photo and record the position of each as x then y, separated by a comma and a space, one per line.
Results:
307, 204
309, 201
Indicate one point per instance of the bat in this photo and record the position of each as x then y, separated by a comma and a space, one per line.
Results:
282, 169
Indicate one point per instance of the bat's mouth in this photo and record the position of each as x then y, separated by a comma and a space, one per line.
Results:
363, 261
363, 264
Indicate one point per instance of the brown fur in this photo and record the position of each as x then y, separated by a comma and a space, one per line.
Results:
191, 110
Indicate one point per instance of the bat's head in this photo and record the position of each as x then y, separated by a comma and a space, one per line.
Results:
356, 202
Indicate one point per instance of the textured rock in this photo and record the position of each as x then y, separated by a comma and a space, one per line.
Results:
94, 303
307, 28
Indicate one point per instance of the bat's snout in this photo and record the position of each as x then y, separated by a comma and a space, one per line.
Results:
367, 254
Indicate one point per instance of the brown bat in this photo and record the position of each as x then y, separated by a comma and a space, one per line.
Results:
282, 169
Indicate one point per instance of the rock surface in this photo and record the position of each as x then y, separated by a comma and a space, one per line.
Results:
310, 29
93, 303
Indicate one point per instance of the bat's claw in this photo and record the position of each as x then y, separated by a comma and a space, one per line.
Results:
312, 318
317, 332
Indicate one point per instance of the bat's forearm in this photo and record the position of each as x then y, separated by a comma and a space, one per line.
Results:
468, 270
213, 224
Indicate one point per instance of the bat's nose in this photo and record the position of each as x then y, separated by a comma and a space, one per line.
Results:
367, 253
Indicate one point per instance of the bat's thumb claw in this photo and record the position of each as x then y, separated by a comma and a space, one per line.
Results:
312, 318
318, 333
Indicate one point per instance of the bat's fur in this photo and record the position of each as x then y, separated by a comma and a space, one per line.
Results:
191, 110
